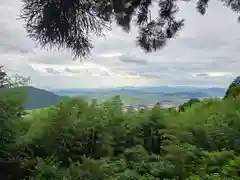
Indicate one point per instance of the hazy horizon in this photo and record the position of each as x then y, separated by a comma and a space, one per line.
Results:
135, 87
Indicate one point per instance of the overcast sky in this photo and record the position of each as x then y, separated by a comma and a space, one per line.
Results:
204, 54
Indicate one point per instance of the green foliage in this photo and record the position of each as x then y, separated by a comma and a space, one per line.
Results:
188, 104
233, 89
232, 92
80, 140
11, 112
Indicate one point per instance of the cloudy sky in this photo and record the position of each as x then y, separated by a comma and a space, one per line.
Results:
204, 54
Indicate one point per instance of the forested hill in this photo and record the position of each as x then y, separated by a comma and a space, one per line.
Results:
39, 98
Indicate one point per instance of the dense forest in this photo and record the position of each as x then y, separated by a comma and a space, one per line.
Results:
78, 140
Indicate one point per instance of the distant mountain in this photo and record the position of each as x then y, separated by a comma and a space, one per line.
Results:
215, 92
146, 95
39, 98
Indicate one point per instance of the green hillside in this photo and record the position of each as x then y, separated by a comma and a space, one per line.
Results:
39, 98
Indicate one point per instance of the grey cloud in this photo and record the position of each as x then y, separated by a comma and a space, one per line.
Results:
71, 70
87, 72
115, 41
133, 61
128, 58
18, 65
204, 45
12, 35
51, 71
76, 71
106, 74
25, 51
202, 75
212, 82
11, 48
50, 57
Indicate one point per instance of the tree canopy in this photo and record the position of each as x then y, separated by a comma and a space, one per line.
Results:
69, 23
80, 140
233, 89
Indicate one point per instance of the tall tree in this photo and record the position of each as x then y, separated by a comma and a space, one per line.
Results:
14, 81
11, 112
3, 77
68, 23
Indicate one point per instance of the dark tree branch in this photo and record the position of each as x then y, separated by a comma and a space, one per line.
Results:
69, 23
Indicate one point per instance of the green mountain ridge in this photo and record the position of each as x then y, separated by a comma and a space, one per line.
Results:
39, 98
